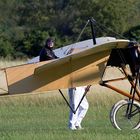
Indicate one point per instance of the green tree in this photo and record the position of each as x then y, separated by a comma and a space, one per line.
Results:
25, 25
6, 49
133, 34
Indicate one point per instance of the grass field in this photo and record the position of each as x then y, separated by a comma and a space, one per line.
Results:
45, 116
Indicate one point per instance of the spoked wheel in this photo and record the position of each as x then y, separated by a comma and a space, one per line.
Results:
122, 119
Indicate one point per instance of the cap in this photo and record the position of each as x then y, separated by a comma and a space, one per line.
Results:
49, 40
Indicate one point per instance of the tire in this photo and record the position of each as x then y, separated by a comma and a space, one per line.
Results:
119, 119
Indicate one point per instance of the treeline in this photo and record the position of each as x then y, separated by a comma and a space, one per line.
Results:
25, 24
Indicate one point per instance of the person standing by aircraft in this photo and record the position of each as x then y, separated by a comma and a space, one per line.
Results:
47, 51
75, 95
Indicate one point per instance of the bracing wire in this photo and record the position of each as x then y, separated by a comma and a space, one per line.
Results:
82, 31
98, 25
106, 29
68, 51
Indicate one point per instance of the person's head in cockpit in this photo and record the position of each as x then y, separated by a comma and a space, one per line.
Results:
49, 43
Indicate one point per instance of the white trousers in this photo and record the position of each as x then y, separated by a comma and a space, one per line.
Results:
75, 96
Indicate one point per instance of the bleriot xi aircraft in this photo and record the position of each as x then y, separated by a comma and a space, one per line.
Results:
87, 65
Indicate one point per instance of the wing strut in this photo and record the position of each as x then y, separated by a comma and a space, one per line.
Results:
74, 111
133, 80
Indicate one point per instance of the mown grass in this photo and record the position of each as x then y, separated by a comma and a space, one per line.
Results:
45, 117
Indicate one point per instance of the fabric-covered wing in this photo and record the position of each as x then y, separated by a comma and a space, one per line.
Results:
82, 68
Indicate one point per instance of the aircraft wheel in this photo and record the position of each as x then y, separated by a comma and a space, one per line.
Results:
120, 118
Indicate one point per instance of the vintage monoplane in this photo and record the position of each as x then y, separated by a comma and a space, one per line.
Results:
87, 65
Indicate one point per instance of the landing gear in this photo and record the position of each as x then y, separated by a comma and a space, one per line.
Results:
125, 116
